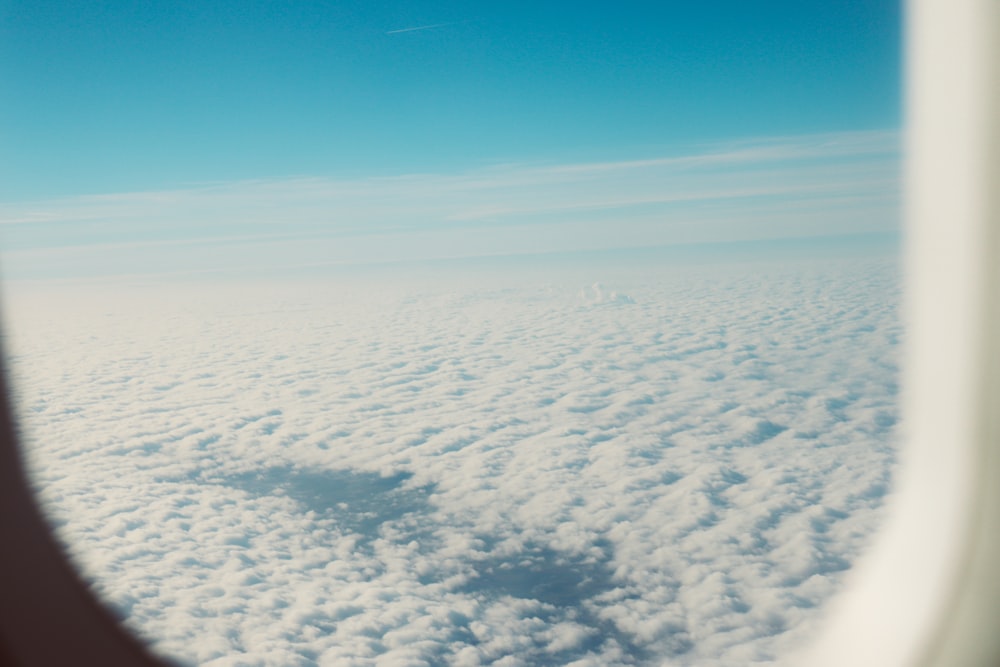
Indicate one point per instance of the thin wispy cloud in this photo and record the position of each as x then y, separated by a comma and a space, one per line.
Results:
744, 191
418, 28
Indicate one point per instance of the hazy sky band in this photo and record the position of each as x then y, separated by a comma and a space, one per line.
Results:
792, 187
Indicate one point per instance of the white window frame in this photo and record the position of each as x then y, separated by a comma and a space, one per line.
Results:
929, 592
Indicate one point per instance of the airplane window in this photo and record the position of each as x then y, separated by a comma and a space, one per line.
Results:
533, 335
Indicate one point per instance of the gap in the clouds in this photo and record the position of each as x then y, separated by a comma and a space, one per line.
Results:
361, 501
541, 573
569, 585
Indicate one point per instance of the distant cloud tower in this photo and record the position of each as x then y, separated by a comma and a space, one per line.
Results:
598, 293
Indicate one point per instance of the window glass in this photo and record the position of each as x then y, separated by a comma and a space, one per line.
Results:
521, 335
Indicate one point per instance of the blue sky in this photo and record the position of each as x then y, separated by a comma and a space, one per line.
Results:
120, 98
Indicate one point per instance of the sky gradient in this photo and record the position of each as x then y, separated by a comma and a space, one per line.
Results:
115, 99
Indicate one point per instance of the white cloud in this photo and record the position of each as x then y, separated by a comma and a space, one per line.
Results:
475, 470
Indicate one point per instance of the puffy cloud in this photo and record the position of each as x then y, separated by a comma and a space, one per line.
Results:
472, 471
598, 294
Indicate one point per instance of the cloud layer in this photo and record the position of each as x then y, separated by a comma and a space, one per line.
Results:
588, 467
765, 189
